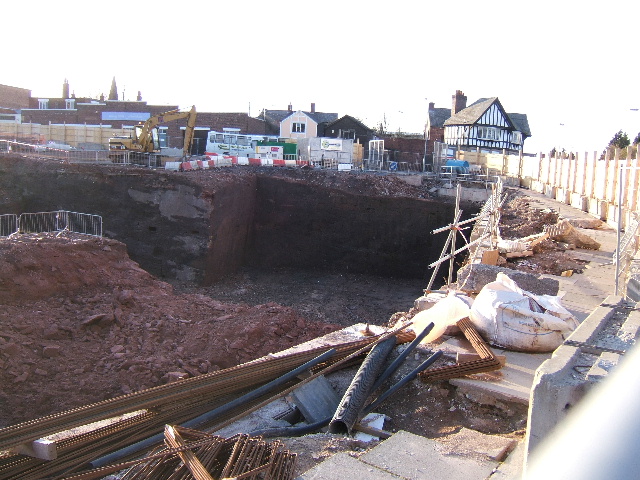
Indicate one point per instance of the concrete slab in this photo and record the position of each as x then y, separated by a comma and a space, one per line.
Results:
342, 465
512, 383
479, 445
414, 457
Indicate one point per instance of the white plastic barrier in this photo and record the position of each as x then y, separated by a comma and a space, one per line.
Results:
243, 161
344, 166
172, 166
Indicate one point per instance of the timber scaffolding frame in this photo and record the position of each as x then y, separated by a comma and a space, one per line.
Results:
485, 228
149, 410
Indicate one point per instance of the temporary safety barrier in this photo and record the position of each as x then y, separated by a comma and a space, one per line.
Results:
58, 221
214, 160
8, 225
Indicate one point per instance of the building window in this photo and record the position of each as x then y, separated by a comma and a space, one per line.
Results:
348, 134
69, 103
297, 127
516, 137
43, 103
488, 133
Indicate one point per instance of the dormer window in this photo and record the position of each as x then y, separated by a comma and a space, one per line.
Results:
43, 103
69, 103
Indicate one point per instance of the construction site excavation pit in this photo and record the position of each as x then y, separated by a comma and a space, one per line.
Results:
200, 271
318, 240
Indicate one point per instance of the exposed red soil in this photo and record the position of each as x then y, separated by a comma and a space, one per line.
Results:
81, 322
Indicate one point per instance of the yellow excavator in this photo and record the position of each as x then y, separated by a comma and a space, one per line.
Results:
145, 135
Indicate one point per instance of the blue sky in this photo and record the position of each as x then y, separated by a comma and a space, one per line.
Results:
570, 68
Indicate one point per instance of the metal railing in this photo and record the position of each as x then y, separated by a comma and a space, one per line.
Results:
75, 155
8, 225
47, 151
49, 222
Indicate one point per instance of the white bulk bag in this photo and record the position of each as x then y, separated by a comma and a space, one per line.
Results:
447, 311
512, 318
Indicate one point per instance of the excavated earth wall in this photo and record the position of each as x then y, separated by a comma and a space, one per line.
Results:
201, 226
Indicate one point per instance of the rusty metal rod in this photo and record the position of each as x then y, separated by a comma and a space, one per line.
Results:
115, 456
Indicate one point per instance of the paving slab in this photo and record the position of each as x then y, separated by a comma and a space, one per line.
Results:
342, 465
479, 445
418, 458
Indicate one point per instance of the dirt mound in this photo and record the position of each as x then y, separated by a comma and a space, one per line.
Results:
82, 322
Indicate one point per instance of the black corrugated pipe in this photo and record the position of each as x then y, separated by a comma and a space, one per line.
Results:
410, 376
131, 449
398, 361
360, 388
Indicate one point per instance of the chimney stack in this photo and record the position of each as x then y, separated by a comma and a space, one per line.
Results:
290, 108
459, 102
313, 108
432, 106
65, 89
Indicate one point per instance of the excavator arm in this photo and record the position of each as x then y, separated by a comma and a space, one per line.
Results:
145, 136
189, 131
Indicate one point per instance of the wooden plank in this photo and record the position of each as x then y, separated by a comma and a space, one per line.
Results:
490, 257
526, 253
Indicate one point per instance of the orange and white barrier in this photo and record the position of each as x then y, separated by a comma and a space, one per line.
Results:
214, 160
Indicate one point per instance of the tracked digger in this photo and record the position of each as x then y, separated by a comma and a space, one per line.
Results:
145, 135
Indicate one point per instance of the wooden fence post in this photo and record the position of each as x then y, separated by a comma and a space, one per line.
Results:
633, 193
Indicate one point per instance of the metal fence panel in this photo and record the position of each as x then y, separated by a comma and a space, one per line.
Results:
8, 225
60, 221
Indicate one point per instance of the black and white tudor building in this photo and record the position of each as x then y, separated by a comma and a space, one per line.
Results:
485, 125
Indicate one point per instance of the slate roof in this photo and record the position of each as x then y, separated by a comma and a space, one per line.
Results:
353, 119
318, 117
471, 114
277, 115
521, 123
438, 116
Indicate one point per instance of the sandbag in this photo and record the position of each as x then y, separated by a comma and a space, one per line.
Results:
511, 318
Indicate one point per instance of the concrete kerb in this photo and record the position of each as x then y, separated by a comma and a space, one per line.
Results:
555, 389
